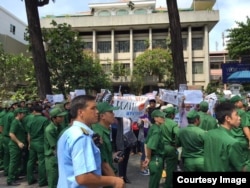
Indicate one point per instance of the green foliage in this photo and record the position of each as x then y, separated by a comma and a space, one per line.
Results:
69, 66
119, 69
239, 40
156, 62
17, 73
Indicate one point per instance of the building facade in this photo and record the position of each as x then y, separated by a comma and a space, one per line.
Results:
12, 33
117, 32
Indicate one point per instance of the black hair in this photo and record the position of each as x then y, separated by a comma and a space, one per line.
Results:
80, 102
38, 108
222, 110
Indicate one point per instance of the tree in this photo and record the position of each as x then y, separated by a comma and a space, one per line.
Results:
37, 48
70, 67
17, 73
239, 40
176, 43
155, 62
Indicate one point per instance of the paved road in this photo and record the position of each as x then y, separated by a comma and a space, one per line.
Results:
137, 180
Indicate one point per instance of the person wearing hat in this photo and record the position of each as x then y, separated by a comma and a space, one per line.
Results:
102, 128
169, 131
207, 122
17, 143
153, 149
35, 128
242, 132
50, 141
6, 122
223, 152
191, 139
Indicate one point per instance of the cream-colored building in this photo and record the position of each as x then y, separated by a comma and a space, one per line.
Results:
117, 32
12, 33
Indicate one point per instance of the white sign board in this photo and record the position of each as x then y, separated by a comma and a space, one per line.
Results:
130, 106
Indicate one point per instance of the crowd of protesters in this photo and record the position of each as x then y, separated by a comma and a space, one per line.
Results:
80, 142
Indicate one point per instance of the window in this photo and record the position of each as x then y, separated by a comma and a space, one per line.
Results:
197, 43
139, 46
12, 29
88, 45
159, 43
140, 11
121, 46
185, 66
215, 66
104, 47
126, 67
104, 13
197, 67
184, 43
121, 12
106, 68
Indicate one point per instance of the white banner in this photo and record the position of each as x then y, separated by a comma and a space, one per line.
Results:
193, 96
130, 106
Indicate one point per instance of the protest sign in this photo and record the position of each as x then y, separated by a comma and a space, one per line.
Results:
130, 106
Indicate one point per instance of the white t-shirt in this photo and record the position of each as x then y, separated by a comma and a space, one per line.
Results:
126, 125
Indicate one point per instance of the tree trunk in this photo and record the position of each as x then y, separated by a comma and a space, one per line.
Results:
176, 43
37, 48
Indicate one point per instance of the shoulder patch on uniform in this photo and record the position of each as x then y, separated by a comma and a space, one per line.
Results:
84, 131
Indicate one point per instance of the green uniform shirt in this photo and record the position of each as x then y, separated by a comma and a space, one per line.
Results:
169, 130
18, 130
154, 140
237, 132
222, 152
106, 147
36, 127
207, 122
191, 138
50, 139
7, 120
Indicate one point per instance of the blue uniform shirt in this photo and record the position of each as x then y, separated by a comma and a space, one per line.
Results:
77, 154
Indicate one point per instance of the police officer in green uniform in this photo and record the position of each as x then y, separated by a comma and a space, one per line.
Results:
18, 141
102, 128
223, 152
191, 138
6, 122
35, 128
207, 121
50, 140
242, 132
154, 147
169, 131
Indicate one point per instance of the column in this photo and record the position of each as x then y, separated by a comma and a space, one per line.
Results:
94, 41
206, 63
131, 50
150, 38
190, 57
112, 46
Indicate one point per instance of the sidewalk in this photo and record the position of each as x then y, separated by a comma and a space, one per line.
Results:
138, 180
